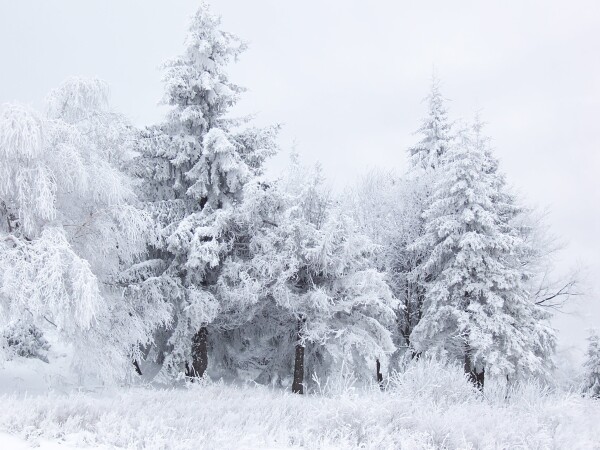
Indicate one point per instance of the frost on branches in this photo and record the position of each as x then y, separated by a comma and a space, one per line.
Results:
407, 268
435, 131
477, 309
324, 307
194, 167
389, 207
69, 227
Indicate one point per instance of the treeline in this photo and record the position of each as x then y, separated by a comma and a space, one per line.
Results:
169, 246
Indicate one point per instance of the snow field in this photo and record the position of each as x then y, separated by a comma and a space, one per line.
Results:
428, 407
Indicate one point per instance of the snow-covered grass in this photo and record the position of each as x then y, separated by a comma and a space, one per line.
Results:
429, 406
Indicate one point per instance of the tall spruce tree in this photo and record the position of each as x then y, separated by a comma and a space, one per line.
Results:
477, 309
389, 207
435, 130
195, 166
407, 263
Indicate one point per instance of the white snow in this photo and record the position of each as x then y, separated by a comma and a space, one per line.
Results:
429, 406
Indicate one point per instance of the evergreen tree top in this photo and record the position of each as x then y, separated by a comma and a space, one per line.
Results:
435, 130
196, 82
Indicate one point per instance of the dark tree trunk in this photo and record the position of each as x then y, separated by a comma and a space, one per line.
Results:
199, 354
298, 384
469, 369
480, 378
379, 375
137, 367
475, 377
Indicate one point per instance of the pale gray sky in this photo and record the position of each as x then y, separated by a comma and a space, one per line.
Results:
347, 77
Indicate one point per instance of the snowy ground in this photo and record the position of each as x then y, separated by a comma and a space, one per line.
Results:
415, 413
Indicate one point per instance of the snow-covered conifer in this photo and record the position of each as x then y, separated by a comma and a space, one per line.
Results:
194, 168
389, 207
405, 263
323, 296
477, 308
435, 130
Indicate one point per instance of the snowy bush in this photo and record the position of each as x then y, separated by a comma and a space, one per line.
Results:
25, 340
436, 380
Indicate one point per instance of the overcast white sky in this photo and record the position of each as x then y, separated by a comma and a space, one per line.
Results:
346, 78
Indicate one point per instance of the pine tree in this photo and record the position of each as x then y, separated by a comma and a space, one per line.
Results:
407, 263
388, 207
477, 309
435, 130
592, 366
195, 167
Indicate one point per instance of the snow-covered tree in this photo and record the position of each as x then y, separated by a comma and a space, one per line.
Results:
477, 308
322, 295
407, 266
592, 365
194, 168
69, 227
388, 207
435, 130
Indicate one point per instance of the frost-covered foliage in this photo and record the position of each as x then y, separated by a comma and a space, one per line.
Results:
441, 383
592, 365
24, 339
435, 131
388, 207
194, 167
417, 411
477, 308
316, 284
329, 284
84, 103
69, 227
165, 246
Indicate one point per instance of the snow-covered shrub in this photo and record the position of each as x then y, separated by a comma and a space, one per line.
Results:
25, 340
342, 382
436, 380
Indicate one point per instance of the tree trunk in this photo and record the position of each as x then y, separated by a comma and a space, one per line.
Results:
378, 373
469, 368
480, 378
199, 354
475, 377
137, 367
298, 384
